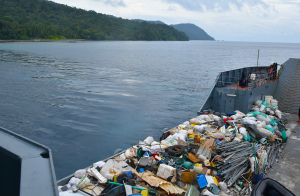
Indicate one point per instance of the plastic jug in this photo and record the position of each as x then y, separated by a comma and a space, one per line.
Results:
145, 193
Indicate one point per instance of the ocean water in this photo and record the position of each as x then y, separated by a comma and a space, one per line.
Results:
85, 100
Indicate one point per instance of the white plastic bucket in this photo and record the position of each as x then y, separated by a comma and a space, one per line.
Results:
268, 99
274, 102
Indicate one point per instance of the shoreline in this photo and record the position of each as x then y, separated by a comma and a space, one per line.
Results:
43, 40
75, 40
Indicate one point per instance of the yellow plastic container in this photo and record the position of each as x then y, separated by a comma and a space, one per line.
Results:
197, 139
145, 193
202, 140
191, 136
215, 180
115, 178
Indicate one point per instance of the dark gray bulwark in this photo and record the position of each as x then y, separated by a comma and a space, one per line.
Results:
26, 167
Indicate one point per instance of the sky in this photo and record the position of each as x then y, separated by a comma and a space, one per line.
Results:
228, 20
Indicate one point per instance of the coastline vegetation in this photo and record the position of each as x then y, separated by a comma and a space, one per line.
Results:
40, 19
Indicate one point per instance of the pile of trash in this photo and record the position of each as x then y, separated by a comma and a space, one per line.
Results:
212, 154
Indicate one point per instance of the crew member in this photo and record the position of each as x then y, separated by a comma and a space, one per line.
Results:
243, 79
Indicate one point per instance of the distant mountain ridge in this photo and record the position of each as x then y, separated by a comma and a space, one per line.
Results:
194, 32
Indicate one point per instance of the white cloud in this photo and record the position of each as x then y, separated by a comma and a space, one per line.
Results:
234, 20
216, 5
114, 3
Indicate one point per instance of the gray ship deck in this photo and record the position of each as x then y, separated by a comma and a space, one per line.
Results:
287, 169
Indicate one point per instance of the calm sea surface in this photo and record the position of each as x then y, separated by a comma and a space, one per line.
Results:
85, 100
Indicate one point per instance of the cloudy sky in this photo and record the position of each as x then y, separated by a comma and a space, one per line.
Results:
230, 20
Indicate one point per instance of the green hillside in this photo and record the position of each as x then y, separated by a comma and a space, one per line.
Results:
37, 19
194, 32
149, 21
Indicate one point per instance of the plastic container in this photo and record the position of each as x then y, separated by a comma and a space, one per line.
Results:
201, 181
188, 165
145, 193
262, 108
101, 178
191, 140
202, 140
84, 181
156, 156
274, 102
144, 161
165, 171
268, 99
257, 178
128, 174
198, 169
197, 139
109, 176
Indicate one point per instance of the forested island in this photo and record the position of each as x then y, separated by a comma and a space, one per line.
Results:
40, 19
194, 32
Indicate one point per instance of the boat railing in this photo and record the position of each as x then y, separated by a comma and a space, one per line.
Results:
262, 78
227, 80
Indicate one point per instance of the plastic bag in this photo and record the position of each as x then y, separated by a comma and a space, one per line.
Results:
186, 123
249, 121
169, 141
239, 112
73, 181
200, 128
266, 133
258, 113
205, 118
278, 113
284, 136
236, 116
194, 121
148, 140
216, 135
262, 108
217, 118
265, 104
273, 123
258, 103
270, 128
80, 173
263, 118
184, 132
261, 124
179, 135
243, 131
99, 164
173, 131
